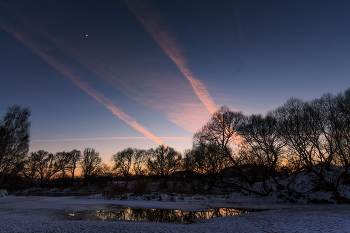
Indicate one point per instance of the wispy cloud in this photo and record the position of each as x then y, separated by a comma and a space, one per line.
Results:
160, 90
150, 20
23, 38
110, 138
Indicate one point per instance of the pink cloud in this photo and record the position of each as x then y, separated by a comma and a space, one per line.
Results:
77, 80
151, 21
161, 90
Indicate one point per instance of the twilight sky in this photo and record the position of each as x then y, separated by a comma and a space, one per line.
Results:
117, 74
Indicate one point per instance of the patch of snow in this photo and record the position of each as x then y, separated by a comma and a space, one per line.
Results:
3, 193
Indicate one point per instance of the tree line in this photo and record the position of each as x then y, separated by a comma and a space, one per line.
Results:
231, 149
298, 135
39, 168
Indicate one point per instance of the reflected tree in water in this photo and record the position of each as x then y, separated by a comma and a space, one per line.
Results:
159, 215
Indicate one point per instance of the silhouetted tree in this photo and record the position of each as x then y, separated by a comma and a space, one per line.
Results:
14, 138
222, 131
103, 170
122, 163
74, 158
103, 175
140, 162
89, 164
62, 160
295, 128
325, 115
41, 166
130, 161
311, 132
343, 128
163, 162
206, 160
263, 146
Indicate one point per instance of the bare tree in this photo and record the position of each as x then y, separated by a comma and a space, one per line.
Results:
163, 162
295, 128
262, 144
222, 131
140, 162
207, 161
310, 131
14, 137
41, 166
74, 158
343, 128
103, 170
122, 163
324, 118
89, 163
62, 160
333, 147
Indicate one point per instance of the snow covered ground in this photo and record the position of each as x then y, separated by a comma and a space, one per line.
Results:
50, 214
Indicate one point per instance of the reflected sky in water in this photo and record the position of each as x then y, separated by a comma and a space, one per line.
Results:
155, 215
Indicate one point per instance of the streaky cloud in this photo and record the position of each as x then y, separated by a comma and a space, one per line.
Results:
110, 138
183, 109
171, 95
150, 20
21, 36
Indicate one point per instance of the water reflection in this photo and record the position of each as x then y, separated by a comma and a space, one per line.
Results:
156, 215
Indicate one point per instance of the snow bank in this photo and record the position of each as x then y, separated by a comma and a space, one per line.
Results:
3, 193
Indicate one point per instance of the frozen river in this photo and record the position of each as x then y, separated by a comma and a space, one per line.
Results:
51, 214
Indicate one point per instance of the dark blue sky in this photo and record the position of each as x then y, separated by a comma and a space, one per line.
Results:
156, 69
